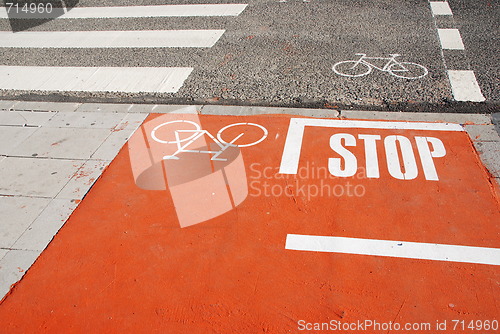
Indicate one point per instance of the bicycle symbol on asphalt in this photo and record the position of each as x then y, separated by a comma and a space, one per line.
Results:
197, 133
362, 67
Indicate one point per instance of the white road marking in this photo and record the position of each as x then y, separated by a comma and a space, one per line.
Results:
440, 8
451, 39
94, 79
293, 142
110, 39
400, 249
464, 86
150, 11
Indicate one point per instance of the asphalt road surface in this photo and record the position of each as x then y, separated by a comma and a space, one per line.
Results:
282, 53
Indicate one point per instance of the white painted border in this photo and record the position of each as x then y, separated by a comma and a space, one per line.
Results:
293, 142
150, 11
389, 248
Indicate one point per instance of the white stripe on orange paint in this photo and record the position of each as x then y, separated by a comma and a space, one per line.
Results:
400, 249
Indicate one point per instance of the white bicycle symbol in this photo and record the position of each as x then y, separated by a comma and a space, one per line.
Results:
361, 67
198, 132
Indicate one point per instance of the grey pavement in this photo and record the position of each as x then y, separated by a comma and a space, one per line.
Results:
281, 53
51, 154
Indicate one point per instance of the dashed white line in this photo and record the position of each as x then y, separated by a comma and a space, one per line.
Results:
451, 39
110, 39
464, 86
94, 79
389, 248
440, 8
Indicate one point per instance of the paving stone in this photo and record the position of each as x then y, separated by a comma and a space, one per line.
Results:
25, 118
18, 213
242, 110
482, 132
2, 253
104, 107
35, 176
422, 117
13, 266
12, 136
175, 109
6, 105
46, 106
66, 143
495, 117
78, 119
46, 226
83, 179
489, 153
119, 137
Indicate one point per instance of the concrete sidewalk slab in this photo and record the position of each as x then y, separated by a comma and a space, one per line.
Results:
3, 251
46, 225
489, 152
118, 137
14, 265
7, 105
25, 118
45, 106
484, 132
104, 108
62, 143
21, 212
418, 116
241, 110
35, 177
11, 136
86, 120
83, 179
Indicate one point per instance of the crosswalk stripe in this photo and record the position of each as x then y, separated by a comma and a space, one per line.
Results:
111, 79
149, 11
110, 39
94, 79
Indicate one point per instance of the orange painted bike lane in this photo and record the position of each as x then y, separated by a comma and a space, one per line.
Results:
274, 224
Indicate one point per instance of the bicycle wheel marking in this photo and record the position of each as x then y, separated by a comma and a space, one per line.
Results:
363, 67
219, 134
198, 133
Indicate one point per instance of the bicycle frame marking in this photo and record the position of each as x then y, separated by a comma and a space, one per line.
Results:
392, 60
404, 70
198, 133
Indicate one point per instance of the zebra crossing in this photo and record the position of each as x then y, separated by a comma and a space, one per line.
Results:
112, 79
